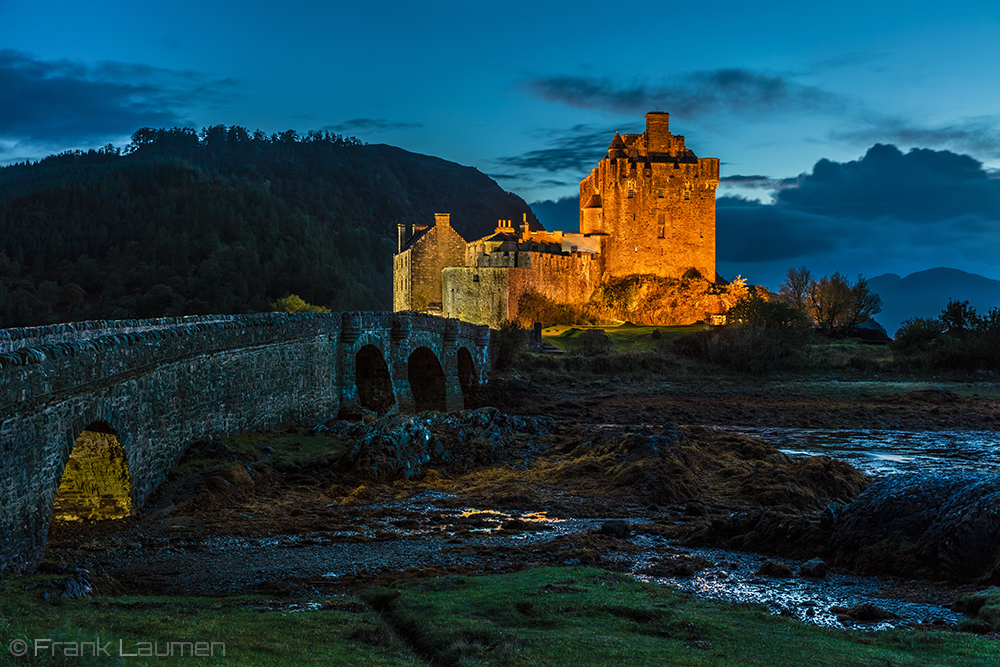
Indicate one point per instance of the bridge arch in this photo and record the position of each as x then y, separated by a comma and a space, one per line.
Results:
468, 377
372, 378
427, 381
95, 482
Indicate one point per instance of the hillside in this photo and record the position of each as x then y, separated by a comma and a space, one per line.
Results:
926, 293
221, 222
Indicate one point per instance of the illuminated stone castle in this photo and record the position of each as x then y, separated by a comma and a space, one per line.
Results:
648, 208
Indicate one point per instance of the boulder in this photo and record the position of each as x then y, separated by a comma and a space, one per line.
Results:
925, 526
616, 528
814, 568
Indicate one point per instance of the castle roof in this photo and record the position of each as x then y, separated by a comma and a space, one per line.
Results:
617, 143
416, 237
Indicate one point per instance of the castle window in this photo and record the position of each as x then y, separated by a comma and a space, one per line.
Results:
475, 279
660, 232
659, 192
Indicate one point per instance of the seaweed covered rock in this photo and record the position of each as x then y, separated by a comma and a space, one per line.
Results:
925, 526
407, 445
687, 465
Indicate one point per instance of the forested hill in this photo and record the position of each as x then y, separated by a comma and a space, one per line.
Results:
182, 223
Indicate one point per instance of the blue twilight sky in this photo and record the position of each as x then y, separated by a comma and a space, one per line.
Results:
791, 96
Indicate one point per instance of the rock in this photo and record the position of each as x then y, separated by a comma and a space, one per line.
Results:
814, 568
868, 613
695, 509
78, 586
924, 526
773, 568
830, 514
408, 445
616, 528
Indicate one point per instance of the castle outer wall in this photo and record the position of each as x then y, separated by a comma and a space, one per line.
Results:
491, 295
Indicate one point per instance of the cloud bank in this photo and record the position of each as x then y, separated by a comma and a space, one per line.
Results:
370, 124
888, 211
63, 103
729, 90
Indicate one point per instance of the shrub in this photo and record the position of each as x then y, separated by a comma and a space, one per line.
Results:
533, 307
764, 336
293, 303
593, 341
917, 334
745, 349
509, 342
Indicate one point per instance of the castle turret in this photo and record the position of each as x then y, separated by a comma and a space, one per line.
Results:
658, 132
617, 147
400, 237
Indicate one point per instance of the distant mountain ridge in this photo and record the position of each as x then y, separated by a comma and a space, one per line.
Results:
926, 293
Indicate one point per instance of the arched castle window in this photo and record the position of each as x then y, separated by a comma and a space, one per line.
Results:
631, 188
661, 224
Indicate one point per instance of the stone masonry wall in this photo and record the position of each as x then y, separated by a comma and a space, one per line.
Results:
162, 385
490, 295
440, 246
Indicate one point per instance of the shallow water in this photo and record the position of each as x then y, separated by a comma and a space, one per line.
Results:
884, 452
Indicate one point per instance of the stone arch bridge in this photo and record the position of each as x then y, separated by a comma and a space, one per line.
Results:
131, 395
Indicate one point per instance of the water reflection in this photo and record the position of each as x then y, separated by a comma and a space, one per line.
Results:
885, 452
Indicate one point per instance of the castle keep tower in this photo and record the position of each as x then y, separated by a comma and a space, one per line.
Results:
653, 202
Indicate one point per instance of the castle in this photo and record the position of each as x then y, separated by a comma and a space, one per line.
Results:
648, 208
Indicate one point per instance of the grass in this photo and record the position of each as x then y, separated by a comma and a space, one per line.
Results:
578, 617
627, 337
640, 350
287, 451
255, 630
581, 617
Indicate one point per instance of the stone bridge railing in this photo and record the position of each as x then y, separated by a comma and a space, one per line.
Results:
159, 385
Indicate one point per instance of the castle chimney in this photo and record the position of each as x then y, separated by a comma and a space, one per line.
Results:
401, 237
658, 132
442, 219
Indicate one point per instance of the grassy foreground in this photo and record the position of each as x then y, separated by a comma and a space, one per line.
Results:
544, 616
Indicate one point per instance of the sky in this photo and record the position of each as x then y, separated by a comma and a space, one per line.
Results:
861, 137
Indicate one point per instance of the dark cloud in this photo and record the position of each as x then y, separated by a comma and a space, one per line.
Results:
576, 149
566, 156
62, 102
762, 182
374, 124
888, 211
921, 185
750, 233
729, 90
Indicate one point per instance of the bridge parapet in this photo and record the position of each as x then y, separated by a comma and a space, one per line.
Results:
99, 355
12, 339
